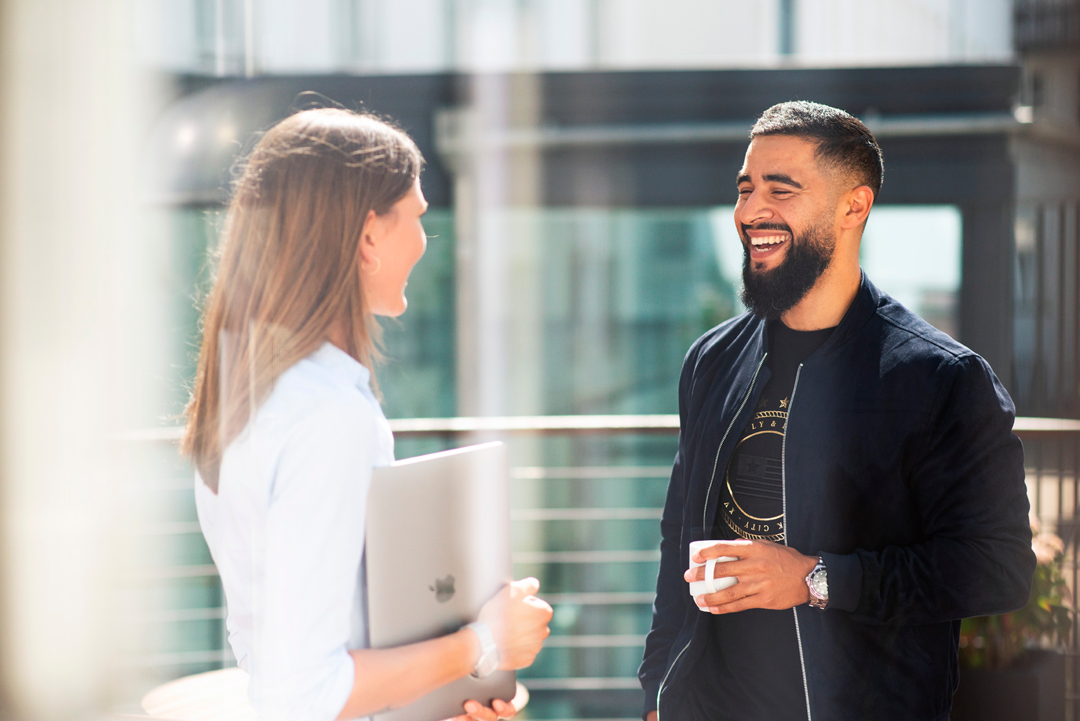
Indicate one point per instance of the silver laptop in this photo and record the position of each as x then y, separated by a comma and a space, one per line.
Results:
438, 547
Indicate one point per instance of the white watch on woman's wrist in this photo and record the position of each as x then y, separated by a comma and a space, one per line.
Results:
489, 652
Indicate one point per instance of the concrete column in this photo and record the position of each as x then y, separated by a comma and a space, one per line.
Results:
78, 328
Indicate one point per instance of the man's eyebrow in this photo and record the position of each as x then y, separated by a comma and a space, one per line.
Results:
782, 178
743, 178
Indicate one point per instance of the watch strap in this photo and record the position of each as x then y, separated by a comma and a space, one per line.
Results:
818, 599
488, 661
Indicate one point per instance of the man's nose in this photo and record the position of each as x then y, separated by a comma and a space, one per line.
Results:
754, 209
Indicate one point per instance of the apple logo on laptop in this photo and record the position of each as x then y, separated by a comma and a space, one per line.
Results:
443, 588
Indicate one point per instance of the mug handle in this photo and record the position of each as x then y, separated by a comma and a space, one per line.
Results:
710, 582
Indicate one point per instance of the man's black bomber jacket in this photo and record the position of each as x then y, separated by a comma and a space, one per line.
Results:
900, 469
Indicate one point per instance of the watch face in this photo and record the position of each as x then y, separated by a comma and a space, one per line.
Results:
819, 580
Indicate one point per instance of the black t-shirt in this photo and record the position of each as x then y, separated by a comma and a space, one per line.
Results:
759, 674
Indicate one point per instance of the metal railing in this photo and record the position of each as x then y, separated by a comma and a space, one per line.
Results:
571, 521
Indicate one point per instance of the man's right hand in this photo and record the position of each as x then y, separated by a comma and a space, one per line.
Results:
771, 575
652, 716
519, 622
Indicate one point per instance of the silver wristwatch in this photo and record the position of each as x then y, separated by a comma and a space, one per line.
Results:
818, 583
489, 652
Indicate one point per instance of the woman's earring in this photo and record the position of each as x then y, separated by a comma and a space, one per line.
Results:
378, 266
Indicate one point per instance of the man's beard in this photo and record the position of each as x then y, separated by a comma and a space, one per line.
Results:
772, 293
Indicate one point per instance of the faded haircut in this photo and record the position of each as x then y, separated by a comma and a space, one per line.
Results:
843, 142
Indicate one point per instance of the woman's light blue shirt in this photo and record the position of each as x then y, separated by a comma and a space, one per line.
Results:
286, 531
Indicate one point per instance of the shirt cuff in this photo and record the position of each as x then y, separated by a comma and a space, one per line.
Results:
340, 687
321, 699
845, 581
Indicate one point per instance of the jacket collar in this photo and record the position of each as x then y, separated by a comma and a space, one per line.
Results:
862, 309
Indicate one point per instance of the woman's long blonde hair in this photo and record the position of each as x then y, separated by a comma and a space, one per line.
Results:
289, 268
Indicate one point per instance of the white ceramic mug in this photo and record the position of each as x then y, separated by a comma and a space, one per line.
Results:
710, 584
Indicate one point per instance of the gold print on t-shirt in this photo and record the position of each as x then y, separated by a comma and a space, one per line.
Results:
752, 495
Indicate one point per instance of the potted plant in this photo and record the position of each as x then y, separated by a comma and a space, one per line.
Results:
1011, 666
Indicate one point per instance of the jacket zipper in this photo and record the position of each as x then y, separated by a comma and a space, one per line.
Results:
705, 513
671, 668
783, 481
750, 392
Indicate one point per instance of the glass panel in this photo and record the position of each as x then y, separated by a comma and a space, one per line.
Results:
616, 296
913, 254
621, 296
417, 377
188, 235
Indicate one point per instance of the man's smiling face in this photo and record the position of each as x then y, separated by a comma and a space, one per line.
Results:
785, 216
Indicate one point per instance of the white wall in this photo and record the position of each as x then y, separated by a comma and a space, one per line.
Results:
410, 35
80, 330
898, 32
395, 36
166, 34
688, 34
295, 37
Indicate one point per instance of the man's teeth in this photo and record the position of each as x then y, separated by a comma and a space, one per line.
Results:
769, 240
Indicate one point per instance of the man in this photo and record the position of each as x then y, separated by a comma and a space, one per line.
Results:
858, 464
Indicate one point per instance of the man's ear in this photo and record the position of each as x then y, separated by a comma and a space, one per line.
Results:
855, 207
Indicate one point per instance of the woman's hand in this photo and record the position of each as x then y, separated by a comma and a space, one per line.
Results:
500, 709
474, 711
393, 677
519, 622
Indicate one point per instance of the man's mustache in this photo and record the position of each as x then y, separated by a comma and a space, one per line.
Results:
765, 226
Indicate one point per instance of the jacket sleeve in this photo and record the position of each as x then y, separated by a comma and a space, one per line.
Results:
968, 484
672, 595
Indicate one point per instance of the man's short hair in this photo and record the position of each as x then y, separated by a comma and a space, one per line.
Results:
843, 141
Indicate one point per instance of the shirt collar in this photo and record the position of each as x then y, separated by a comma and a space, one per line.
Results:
341, 364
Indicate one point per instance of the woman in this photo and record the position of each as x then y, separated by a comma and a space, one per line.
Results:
284, 428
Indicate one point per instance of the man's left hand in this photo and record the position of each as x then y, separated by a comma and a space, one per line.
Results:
770, 575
